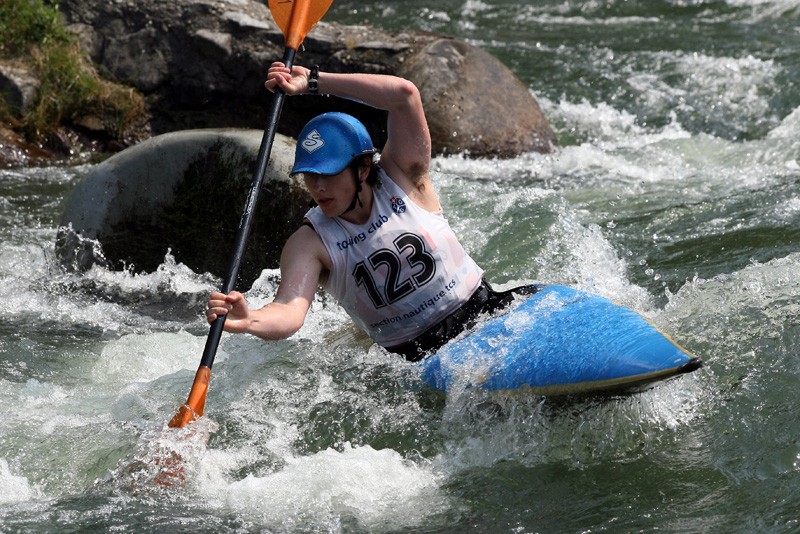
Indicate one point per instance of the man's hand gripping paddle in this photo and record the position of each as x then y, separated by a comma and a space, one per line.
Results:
295, 18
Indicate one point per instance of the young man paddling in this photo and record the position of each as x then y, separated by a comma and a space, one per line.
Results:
377, 239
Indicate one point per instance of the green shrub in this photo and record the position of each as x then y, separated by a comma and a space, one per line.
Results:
29, 22
34, 33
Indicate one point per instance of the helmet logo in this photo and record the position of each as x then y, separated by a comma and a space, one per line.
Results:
312, 142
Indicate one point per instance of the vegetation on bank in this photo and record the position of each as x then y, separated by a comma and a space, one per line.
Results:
71, 92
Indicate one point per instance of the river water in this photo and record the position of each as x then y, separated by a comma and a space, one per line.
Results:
676, 191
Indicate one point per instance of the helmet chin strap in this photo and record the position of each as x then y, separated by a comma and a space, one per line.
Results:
356, 198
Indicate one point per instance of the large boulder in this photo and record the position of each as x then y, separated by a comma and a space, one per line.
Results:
183, 193
201, 64
461, 88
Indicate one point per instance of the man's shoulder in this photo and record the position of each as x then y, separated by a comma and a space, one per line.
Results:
304, 241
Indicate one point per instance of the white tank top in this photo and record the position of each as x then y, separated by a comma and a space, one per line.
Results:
399, 273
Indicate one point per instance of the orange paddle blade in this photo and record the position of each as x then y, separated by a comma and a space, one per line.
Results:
295, 18
197, 399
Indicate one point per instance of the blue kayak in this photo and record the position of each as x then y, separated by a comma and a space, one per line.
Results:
559, 341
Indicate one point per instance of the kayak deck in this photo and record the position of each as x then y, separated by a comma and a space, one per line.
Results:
559, 341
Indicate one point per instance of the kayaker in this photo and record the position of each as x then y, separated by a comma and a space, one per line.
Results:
377, 239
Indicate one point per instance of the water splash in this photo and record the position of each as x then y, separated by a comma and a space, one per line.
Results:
15, 488
355, 487
163, 459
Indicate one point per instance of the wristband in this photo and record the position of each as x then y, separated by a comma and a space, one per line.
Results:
313, 81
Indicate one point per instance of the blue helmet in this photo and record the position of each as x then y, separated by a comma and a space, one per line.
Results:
329, 142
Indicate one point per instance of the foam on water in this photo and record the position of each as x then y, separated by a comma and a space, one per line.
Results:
573, 252
108, 301
373, 488
767, 9
788, 128
761, 299
14, 488
729, 87
781, 147
644, 169
145, 357
170, 276
565, 13
485, 430
617, 151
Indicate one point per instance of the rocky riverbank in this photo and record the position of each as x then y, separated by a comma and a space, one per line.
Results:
201, 63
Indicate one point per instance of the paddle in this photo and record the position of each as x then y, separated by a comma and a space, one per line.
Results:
295, 18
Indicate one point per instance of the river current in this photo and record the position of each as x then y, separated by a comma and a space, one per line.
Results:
675, 191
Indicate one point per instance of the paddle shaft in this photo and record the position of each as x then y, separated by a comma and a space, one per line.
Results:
295, 18
246, 222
